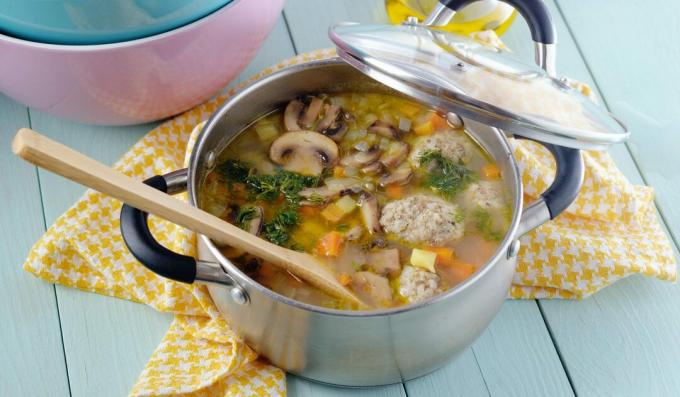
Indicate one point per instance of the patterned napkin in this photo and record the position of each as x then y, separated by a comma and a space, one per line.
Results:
610, 232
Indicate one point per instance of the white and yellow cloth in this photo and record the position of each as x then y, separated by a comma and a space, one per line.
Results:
610, 232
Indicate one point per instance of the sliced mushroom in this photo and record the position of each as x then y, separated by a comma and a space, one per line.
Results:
361, 159
312, 112
395, 154
304, 152
384, 261
254, 226
333, 187
372, 289
384, 128
332, 113
292, 114
370, 212
373, 168
336, 131
400, 176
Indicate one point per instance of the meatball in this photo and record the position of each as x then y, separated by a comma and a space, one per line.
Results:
417, 285
452, 145
423, 219
487, 195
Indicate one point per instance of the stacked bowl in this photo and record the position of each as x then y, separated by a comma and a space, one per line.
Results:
118, 62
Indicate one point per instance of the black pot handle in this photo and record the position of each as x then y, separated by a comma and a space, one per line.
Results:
134, 227
535, 12
561, 193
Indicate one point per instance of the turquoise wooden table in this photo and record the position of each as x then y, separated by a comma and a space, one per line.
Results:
624, 341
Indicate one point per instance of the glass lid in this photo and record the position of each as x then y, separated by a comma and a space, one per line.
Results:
456, 74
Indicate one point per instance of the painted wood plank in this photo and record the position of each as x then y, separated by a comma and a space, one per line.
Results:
31, 355
304, 388
108, 341
634, 58
623, 340
515, 355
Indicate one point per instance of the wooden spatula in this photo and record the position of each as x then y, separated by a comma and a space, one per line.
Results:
64, 161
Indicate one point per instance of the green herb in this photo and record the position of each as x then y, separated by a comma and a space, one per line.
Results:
356, 265
244, 215
268, 187
445, 176
278, 228
483, 225
287, 183
341, 227
234, 170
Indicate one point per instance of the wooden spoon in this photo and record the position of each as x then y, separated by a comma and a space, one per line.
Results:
64, 161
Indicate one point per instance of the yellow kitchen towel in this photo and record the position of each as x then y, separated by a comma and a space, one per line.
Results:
610, 232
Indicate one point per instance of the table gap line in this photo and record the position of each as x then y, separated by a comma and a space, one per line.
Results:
486, 385
557, 347
54, 288
659, 209
290, 33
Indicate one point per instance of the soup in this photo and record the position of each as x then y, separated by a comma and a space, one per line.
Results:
397, 200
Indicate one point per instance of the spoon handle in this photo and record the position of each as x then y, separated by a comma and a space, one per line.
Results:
53, 156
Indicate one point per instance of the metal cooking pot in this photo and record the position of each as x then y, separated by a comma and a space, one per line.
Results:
362, 348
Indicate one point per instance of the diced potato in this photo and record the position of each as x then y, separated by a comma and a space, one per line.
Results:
337, 210
346, 204
423, 259
266, 132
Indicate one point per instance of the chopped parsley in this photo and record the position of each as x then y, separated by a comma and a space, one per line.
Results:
446, 176
268, 187
244, 215
234, 171
483, 225
278, 228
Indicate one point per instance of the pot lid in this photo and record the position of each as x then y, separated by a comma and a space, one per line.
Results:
457, 74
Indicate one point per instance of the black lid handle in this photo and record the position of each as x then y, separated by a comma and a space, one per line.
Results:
535, 12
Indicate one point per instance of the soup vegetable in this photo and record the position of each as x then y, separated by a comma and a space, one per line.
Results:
397, 200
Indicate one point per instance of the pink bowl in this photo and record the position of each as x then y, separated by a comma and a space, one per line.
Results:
140, 80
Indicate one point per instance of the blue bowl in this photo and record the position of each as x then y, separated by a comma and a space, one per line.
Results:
98, 21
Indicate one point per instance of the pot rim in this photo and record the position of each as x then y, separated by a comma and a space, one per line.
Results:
237, 274
79, 48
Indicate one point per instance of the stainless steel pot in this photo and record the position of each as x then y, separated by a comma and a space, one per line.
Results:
331, 346
351, 348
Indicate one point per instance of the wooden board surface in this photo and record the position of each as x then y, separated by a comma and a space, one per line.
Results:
623, 341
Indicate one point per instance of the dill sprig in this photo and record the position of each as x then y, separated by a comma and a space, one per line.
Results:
444, 175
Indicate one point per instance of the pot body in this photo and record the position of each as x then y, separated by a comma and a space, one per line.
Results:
351, 348
140, 80
365, 350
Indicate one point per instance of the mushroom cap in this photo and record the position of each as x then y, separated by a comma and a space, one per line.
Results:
304, 152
